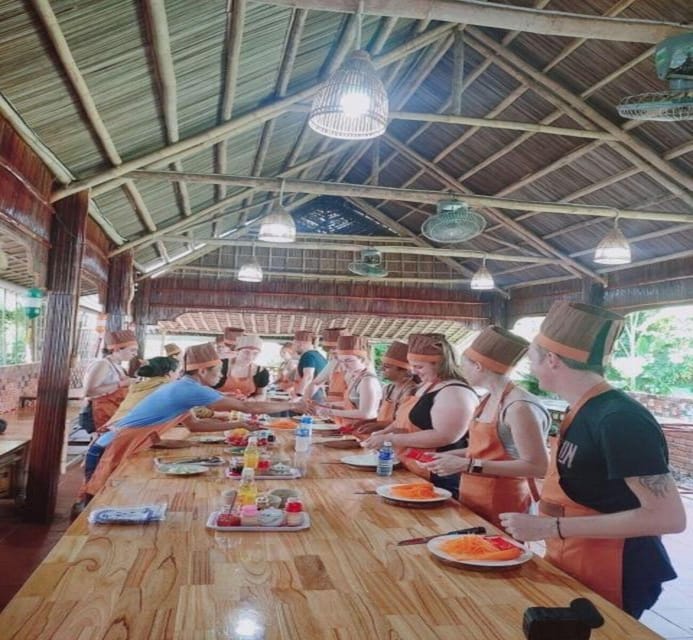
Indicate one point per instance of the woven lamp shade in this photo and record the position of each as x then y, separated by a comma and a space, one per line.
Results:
277, 226
613, 249
482, 280
250, 272
353, 103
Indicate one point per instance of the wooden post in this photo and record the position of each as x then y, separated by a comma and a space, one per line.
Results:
499, 312
120, 291
68, 230
141, 315
593, 292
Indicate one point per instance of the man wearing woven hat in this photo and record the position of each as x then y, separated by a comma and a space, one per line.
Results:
172, 350
168, 406
608, 495
310, 363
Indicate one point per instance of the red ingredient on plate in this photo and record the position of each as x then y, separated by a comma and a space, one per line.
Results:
419, 455
500, 543
229, 520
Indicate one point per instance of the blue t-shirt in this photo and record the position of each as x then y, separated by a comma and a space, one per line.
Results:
163, 404
311, 360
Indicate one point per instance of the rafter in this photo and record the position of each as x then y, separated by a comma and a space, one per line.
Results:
484, 14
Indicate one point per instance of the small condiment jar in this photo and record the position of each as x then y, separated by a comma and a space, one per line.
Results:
264, 463
294, 512
249, 515
262, 502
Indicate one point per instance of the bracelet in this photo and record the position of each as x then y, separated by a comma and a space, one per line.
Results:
470, 465
558, 529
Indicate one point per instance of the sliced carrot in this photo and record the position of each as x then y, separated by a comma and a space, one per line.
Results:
414, 491
473, 547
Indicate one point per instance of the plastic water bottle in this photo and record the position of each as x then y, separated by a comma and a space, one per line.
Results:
385, 460
303, 434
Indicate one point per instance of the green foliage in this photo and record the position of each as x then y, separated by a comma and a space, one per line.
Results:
13, 329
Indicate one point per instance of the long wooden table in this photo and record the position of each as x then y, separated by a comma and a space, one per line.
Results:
343, 578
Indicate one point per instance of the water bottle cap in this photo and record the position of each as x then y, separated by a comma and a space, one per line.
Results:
387, 443
252, 440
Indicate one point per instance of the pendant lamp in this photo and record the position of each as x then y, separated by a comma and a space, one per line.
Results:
250, 271
482, 280
278, 225
353, 104
614, 248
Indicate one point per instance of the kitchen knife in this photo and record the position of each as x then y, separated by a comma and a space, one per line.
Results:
477, 530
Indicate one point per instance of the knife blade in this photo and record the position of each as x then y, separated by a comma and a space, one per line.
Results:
470, 530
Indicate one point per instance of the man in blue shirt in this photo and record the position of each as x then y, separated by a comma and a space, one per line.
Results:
310, 363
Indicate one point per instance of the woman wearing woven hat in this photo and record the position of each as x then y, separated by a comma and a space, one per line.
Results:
244, 378
437, 417
608, 495
168, 406
172, 350
106, 383
507, 436
402, 385
333, 374
362, 396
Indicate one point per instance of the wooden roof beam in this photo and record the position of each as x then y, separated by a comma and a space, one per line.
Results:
206, 139
484, 14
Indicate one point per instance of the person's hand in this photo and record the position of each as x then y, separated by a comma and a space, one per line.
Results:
444, 464
125, 382
525, 527
366, 429
300, 405
376, 440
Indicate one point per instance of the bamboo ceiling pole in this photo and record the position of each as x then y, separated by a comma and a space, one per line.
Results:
408, 195
208, 138
325, 245
484, 14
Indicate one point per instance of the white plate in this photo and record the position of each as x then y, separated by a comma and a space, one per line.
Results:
208, 439
324, 426
364, 461
212, 524
434, 547
182, 469
384, 491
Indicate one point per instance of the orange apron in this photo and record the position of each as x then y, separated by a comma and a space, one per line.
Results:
105, 406
239, 386
402, 423
386, 412
336, 386
596, 562
347, 403
488, 495
127, 442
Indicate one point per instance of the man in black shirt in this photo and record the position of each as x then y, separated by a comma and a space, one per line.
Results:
608, 495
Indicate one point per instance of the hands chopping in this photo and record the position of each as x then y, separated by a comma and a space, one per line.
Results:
376, 440
527, 528
445, 464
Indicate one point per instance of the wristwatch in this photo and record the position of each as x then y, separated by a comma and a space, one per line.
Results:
478, 466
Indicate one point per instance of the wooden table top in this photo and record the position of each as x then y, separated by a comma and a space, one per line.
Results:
9, 446
344, 578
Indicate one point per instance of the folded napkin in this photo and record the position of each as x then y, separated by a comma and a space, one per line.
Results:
143, 514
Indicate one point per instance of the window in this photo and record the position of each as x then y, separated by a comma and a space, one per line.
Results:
19, 337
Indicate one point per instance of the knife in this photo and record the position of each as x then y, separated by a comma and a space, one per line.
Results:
477, 530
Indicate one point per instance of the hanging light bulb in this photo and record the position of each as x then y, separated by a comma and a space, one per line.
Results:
614, 248
278, 225
482, 280
353, 104
250, 271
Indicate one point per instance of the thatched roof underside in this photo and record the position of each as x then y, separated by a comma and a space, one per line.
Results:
100, 84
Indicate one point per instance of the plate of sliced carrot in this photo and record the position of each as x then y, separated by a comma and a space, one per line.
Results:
283, 423
415, 492
479, 551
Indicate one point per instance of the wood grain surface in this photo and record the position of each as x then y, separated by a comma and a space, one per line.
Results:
344, 578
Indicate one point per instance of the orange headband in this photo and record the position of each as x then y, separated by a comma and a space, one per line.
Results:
397, 363
352, 352
489, 363
202, 365
579, 355
122, 345
423, 357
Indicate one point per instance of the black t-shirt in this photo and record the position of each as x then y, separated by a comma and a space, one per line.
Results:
612, 437
311, 360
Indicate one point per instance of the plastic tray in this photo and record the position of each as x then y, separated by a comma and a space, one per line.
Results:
212, 524
295, 473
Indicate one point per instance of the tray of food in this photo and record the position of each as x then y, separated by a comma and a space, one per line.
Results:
279, 471
266, 520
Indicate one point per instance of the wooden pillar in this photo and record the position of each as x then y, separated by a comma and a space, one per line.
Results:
499, 311
141, 314
120, 291
68, 229
593, 292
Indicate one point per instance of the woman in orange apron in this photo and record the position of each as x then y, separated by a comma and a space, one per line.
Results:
333, 374
507, 437
162, 410
402, 385
286, 376
438, 416
608, 494
226, 348
106, 383
361, 398
244, 378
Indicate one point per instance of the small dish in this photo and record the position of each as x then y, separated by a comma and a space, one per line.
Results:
385, 490
182, 469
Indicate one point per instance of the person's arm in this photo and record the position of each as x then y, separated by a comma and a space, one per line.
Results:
227, 403
322, 378
370, 393
303, 383
661, 511
450, 416
94, 385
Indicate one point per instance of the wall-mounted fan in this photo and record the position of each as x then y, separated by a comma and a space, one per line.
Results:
454, 221
674, 63
370, 264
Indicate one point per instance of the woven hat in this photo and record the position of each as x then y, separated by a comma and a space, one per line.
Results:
249, 341
330, 336
200, 356
231, 334
304, 336
580, 332
426, 347
352, 346
120, 339
396, 355
172, 349
497, 349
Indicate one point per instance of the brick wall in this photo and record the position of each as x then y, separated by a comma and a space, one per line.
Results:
666, 406
680, 442
15, 381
